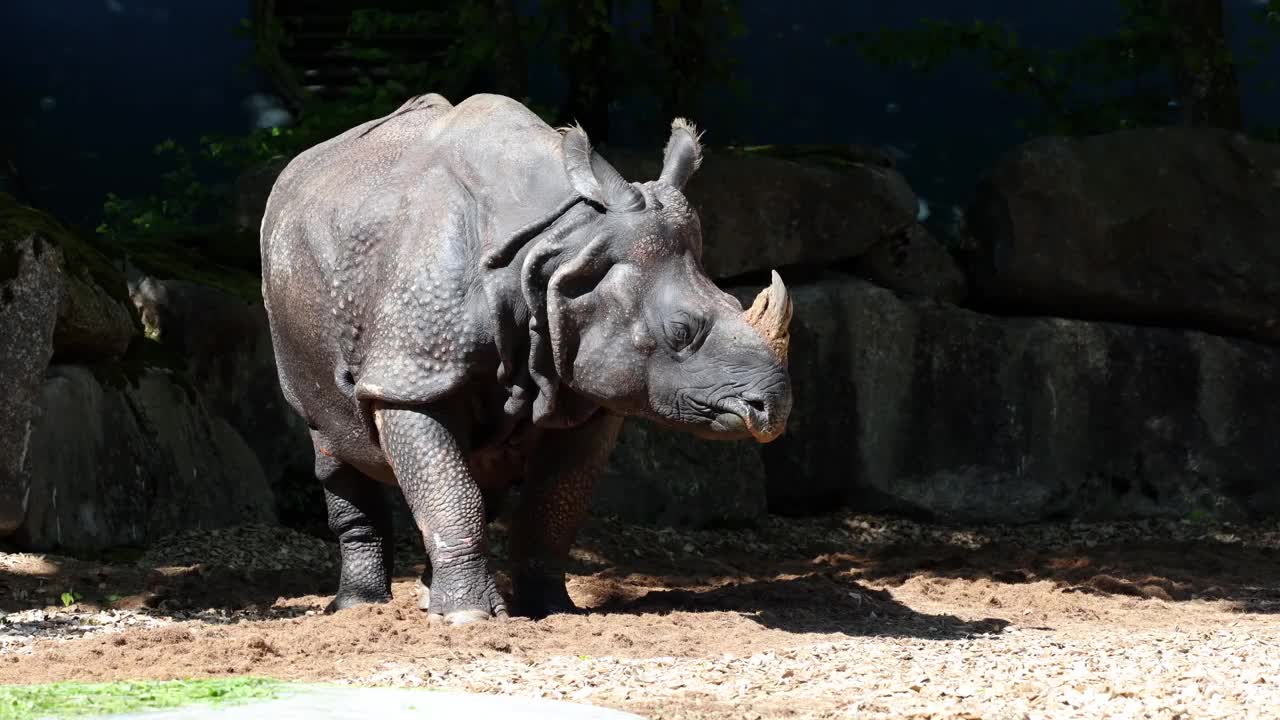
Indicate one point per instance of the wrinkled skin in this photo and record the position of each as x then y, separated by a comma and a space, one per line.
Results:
463, 299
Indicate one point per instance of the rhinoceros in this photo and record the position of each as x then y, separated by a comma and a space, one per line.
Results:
463, 299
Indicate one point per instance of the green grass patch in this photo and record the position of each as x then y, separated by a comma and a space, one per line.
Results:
71, 699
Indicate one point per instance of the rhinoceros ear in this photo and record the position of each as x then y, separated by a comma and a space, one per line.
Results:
683, 154
593, 177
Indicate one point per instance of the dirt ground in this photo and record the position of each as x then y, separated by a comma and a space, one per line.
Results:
841, 616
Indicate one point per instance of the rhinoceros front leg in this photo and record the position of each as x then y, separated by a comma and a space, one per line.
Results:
449, 510
360, 518
561, 476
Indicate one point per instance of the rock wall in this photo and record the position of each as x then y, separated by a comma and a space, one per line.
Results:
1101, 344
128, 460
1177, 227
105, 440
954, 414
28, 312
225, 344
658, 477
760, 210
1105, 348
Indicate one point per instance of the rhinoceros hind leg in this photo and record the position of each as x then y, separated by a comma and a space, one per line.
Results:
360, 518
559, 483
449, 509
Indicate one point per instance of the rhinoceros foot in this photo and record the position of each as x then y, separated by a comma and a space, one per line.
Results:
344, 600
537, 596
460, 596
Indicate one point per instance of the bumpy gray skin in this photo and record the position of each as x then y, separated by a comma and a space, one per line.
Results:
463, 299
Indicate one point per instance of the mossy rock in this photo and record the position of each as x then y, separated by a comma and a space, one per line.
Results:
214, 256
95, 317
81, 260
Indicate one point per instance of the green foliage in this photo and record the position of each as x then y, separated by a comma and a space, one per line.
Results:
70, 699
1200, 516
1121, 80
71, 597
669, 69
183, 199
187, 201
199, 255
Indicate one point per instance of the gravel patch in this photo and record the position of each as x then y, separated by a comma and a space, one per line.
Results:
1228, 673
835, 617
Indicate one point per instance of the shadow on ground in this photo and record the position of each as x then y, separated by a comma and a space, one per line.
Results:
818, 603
1247, 577
817, 588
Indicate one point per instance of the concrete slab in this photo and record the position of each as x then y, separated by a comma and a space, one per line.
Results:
310, 702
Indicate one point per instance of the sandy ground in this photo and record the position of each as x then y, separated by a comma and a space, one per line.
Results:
842, 616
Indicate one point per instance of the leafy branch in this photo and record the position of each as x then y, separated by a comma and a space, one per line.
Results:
1128, 78
471, 40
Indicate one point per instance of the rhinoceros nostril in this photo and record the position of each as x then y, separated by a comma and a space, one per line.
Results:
756, 404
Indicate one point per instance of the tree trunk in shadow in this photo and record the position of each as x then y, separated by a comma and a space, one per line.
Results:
680, 42
1206, 73
587, 59
510, 71
266, 39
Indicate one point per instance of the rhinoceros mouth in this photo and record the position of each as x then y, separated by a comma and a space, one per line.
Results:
730, 423
739, 418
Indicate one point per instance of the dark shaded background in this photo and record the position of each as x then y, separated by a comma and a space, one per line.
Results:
95, 84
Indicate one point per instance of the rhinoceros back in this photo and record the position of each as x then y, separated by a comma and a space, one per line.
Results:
371, 247
304, 228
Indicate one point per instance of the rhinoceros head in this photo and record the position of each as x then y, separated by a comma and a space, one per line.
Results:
634, 323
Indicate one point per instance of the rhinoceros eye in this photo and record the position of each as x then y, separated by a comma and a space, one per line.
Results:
680, 335
682, 331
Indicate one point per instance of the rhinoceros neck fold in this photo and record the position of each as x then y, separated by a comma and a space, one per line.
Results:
517, 291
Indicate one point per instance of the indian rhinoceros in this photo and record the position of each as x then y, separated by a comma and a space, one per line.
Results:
463, 299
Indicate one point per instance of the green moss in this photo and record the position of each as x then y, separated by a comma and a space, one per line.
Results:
70, 699
196, 255
18, 221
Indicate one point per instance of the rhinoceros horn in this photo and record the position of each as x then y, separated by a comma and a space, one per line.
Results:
594, 178
770, 316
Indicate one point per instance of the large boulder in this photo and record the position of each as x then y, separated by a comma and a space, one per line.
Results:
914, 264
29, 292
224, 344
94, 320
657, 476
1174, 226
121, 456
760, 210
924, 408
58, 298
